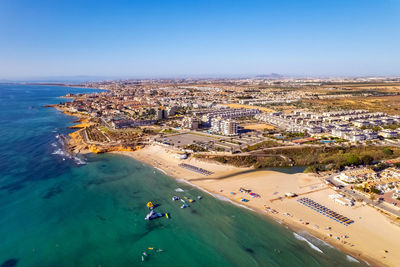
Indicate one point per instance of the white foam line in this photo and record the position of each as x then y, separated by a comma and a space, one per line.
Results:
351, 259
232, 202
181, 180
161, 170
299, 237
217, 196
319, 241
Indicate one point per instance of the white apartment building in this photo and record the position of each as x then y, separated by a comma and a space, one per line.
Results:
356, 136
388, 133
191, 123
313, 129
229, 127
370, 135
340, 132
225, 127
171, 110
215, 125
361, 123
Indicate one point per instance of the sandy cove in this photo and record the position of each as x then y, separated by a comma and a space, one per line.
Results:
367, 238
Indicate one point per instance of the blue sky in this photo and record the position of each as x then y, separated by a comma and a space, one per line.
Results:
167, 38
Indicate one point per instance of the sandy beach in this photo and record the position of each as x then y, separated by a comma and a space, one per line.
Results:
373, 237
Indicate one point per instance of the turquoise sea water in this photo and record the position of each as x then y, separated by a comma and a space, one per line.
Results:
60, 211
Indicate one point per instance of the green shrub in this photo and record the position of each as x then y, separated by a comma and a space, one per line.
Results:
387, 151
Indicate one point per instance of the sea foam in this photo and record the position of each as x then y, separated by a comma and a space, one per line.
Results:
62, 152
351, 259
299, 237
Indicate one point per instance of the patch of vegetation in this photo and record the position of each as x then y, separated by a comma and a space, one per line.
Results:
169, 130
388, 151
375, 191
391, 127
196, 148
104, 129
315, 168
289, 135
367, 159
318, 158
380, 167
265, 144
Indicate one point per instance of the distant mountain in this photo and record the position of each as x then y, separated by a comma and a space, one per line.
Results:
270, 76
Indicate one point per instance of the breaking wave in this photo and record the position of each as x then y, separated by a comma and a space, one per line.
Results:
160, 170
351, 259
299, 237
61, 151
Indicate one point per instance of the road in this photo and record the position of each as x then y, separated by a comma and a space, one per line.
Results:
353, 194
377, 203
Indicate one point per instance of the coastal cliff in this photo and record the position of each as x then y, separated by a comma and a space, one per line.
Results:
89, 139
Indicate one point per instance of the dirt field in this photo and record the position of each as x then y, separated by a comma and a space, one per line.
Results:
258, 126
363, 86
387, 104
249, 107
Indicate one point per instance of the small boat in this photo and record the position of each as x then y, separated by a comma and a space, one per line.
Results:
175, 198
166, 215
183, 201
184, 206
199, 197
191, 200
153, 215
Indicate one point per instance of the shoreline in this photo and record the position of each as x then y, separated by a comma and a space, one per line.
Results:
233, 177
232, 173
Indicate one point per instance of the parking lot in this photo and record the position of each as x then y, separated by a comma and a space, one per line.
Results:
211, 142
181, 140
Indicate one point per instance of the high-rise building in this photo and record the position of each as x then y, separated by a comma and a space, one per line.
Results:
215, 125
229, 127
171, 111
191, 123
225, 127
161, 114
